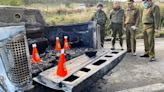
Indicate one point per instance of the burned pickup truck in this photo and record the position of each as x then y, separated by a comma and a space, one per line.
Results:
87, 61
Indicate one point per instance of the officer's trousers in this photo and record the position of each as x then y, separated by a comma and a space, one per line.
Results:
117, 29
149, 41
102, 34
130, 38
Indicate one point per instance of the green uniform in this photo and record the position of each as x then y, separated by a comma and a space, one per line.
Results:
151, 21
132, 18
101, 18
116, 18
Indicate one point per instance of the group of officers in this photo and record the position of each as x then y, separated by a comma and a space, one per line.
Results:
128, 20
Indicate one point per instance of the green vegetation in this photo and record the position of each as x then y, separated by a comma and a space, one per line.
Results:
11, 2
64, 14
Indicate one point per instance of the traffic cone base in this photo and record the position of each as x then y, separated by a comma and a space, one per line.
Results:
33, 61
62, 73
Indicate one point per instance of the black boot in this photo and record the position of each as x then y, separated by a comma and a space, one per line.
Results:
145, 55
128, 51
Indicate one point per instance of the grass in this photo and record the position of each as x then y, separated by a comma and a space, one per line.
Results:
69, 18
61, 14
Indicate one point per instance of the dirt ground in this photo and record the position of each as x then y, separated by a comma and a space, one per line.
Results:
135, 74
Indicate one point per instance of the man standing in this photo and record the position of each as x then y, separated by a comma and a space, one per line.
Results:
151, 22
116, 18
132, 18
101, 18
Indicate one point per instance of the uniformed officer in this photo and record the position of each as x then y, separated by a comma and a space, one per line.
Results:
116, 18
151, 23
132, 18
101, 18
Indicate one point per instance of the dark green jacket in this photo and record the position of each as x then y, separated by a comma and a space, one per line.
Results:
117, 16
132, 16
152, 16
100, 17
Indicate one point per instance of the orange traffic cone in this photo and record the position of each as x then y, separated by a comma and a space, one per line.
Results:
35, 54
66, 43
61, 70
58, 46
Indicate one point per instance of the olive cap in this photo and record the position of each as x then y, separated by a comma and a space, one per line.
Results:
130, 1
100, 5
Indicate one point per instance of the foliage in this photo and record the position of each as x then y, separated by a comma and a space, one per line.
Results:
63, 14
11, 2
